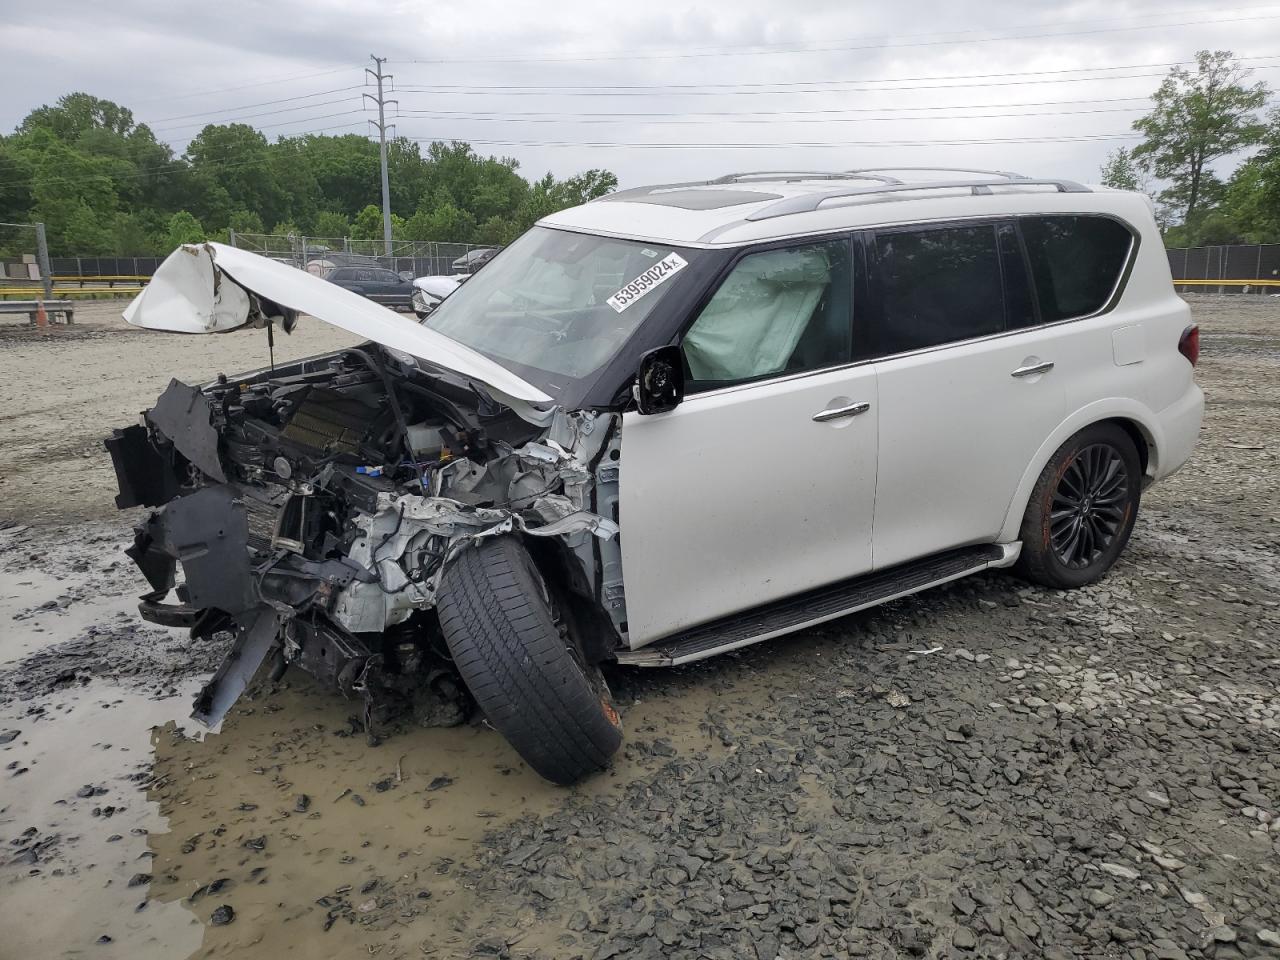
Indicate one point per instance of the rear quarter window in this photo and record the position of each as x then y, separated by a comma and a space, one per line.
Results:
1076, 262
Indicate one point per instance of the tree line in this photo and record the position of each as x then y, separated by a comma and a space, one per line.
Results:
104, 185
1201, 116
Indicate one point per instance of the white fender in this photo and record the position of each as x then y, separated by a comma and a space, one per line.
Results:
1111, 408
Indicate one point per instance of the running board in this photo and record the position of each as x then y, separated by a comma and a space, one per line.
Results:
816, 606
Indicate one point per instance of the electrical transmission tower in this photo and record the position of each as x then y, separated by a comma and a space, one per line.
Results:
381, 124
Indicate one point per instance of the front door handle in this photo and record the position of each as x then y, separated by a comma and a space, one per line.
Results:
839, 413
1032, 369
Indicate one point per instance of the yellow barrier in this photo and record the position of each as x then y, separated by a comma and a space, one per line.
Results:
32, 293
1226, 283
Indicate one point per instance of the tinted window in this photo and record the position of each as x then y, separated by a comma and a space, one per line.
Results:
386, 276
778, 312
1075, 261
938, 286
338, 275
1019, 304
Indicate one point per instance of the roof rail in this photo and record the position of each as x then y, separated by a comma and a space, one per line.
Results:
985, 173
748, 176
808, 202
795, 175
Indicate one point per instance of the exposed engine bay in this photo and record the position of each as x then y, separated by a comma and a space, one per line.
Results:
313, 509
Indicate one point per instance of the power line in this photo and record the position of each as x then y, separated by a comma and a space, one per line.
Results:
246, 86
733, 92
471, 114
844, 46
791, 144
441, 87
253, 116
253, 106
287, 123
776, 120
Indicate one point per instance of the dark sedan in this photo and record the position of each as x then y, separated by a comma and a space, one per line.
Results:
377, 283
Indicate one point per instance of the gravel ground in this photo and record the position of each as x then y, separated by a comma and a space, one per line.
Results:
988, 769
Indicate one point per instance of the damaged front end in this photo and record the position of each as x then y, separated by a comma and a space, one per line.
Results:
313, 509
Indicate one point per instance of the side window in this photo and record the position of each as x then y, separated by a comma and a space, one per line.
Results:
1075, 262
385, 276
937, 286
778, 312
364, 274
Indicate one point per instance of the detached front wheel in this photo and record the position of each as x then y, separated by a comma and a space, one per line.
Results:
514, 649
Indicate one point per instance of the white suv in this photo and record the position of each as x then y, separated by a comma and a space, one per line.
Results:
663, 425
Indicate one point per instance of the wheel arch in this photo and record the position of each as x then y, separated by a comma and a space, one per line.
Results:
1134, 418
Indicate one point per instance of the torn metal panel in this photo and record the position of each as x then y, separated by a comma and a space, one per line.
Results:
146, 476
253, 643
183, 415
208, 532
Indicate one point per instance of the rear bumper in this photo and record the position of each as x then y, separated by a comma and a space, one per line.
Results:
1180, 426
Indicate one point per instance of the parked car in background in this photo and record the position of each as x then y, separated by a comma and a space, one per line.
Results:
428, 292
473, 260
377, 283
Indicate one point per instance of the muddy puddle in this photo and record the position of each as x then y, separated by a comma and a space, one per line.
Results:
125, 828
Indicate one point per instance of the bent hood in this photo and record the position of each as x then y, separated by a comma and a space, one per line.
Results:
210, 288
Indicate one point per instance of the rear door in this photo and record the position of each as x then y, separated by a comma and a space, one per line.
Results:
762, 482
969, 384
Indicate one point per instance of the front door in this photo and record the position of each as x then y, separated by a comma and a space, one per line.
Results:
762, 482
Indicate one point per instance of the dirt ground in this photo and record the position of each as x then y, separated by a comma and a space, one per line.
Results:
988, 769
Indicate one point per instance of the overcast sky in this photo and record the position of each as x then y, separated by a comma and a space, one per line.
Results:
802, 84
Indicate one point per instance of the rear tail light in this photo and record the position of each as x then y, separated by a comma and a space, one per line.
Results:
1189, 344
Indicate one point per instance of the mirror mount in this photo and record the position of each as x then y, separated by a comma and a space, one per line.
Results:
659, 385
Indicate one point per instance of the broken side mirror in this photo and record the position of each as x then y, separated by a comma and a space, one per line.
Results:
659, 383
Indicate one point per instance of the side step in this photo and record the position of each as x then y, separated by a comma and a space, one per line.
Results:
815, 606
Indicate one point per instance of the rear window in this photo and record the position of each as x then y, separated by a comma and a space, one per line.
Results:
1075, 261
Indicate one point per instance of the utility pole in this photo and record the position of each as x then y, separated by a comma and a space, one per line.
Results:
382, 102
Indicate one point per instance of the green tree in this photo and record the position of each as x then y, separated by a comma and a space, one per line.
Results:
1121, 171
1199, 117
184, 228
332, 225
367, 224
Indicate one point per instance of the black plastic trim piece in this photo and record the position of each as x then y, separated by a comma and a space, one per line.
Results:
825, 602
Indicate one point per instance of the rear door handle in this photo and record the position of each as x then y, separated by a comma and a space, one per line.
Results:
1033, 369
839, 413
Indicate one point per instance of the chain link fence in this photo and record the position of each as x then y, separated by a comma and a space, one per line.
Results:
24, 262
1235, 268
319, 255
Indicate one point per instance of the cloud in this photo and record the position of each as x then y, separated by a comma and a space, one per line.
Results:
692, 77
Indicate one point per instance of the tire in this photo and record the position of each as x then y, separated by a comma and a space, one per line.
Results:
1094, 483
514, 651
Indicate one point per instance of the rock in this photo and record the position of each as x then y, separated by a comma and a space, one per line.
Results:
1221, 934
1269, 937
1116, 870
8, 736
1158, 800
1172, 864
1100, 898
222, 916
546, 888
964, 939
963, 904
301, 802
139, 879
